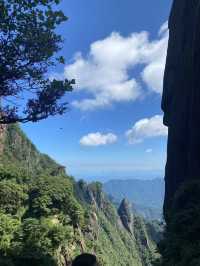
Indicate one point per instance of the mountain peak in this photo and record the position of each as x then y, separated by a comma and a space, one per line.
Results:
126, 215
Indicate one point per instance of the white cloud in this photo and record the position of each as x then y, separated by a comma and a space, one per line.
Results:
163, 28
98, 139
147, 128
153, 72
104, 74
149, 151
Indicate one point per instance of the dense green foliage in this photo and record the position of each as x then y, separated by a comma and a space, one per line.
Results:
12, 196
28, 46
37, 218
114, 243
20, 153
180, 246
46, 218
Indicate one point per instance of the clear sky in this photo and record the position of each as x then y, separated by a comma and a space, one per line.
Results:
115, 49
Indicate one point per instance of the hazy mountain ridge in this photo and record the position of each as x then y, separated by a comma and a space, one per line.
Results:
146, 196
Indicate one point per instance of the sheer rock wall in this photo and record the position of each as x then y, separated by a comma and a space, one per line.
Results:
181, 97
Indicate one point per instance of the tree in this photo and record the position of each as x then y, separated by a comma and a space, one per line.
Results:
8, 227
180, 245
12, 196
42, 237
52, 195
28, 48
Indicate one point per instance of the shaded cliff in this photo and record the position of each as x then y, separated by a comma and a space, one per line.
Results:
181, 97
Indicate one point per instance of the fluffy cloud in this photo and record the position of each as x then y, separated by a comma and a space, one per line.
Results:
147, 128
98, 139
149, 151
105, 74
153, 72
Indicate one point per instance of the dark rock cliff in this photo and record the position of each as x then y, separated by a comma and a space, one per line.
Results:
181, 97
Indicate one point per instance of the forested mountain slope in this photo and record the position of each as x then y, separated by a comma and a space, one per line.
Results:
46, 218
20, 152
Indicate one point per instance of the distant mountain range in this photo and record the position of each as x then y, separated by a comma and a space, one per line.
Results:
146, 196
104, 176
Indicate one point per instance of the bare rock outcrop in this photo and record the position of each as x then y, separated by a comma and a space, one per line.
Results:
126, 215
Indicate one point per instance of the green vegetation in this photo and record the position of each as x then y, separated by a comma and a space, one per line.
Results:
46, 218
39, 214
29, 43
180, 246
20, 153
38, 219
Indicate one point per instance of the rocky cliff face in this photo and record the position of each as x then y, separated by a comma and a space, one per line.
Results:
118, 238
126, 215
181, 97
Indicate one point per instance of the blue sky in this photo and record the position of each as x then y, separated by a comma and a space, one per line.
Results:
116, 51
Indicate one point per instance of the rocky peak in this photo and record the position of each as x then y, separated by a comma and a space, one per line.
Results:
126, 215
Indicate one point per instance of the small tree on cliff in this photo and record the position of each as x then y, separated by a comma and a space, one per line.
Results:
28, 47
